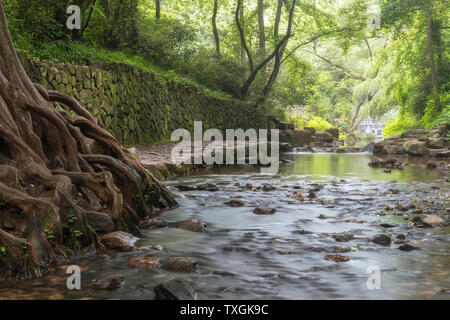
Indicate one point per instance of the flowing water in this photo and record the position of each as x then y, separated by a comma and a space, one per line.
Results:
281, 256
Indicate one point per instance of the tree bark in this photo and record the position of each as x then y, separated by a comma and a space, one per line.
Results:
277, 19
158, 10
261, 29
214, 26
433, 69
50, 179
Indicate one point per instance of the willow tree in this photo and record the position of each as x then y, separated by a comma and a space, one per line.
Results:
52, 183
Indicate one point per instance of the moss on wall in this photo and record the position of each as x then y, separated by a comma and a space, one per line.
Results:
139, 107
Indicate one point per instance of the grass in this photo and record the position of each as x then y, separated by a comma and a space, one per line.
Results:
83, 54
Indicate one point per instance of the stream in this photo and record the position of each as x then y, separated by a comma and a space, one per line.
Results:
282, 256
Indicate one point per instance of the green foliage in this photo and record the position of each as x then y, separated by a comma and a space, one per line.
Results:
3, 251
400, 125
318, 123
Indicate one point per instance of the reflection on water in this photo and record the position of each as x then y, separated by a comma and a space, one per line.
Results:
245, 256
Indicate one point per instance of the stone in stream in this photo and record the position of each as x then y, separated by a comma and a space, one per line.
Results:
341, 249
235, 203
109, 283
180, 264
154, 223
312, 195
407, 247
386, 225
343, 236
174, 289
147, 263
337, 258
264, 210
191, 225
425, 220
322, 216
207, 187
119, 240
182, 187
268, 187
382, 239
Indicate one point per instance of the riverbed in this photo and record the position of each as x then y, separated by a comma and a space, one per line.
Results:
282, 256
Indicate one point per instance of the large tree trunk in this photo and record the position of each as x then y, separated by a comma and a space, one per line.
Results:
261, 29
158, 10
50, 180
214, 26
433, 70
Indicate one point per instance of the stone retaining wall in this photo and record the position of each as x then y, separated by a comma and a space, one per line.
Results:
139, 107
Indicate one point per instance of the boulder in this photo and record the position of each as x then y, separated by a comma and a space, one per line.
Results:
191, 225
435, 143
174, 289
368, 147
119, 240
180, 264
333, 131
154, 223
323, 137
343, 236
415, 147
310, 130
426, 220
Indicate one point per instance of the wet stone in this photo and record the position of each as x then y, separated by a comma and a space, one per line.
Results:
235, 203
119, 240
264, 210
337, 258
407, 247
154, 223
147, 263
174, 289
343, 236
109, 283
191, 225
382, 239
180, 264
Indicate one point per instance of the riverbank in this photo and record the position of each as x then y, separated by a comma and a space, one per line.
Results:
333, 217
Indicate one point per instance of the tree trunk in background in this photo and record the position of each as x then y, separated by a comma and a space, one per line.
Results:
158, 9
50, 179
433, 70
241, 19
214, 26
277, 19
261, 29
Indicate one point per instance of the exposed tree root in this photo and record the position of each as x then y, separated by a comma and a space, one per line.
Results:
51, 180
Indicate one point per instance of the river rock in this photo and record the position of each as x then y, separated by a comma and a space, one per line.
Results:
268, 187
264, 210
415, 147
407, 247
382, 239
435, 143
235, 203
109, 283
428, 220
343, 236
337, 258
368, 147
174, 289
207, 187
147, 263
154, 223
334, 132
192, 225
180, 264
119, 240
